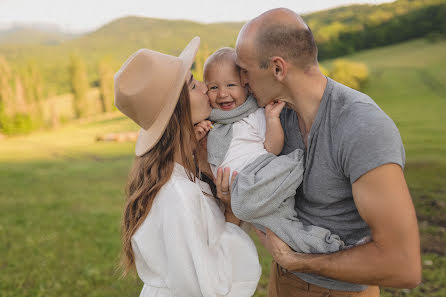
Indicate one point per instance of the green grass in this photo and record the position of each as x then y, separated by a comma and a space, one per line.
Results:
61, 192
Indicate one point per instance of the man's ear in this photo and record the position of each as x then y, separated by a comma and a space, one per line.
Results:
279, 68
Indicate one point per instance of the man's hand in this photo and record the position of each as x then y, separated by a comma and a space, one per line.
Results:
202, 128
391, 259
278, 249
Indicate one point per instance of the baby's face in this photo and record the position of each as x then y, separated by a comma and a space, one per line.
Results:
224, 87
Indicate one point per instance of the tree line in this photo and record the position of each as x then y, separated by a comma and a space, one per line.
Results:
24, 104
427, 21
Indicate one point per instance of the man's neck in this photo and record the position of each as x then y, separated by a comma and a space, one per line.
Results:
306, 98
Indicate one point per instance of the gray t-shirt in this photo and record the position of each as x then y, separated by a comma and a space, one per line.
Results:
350, 136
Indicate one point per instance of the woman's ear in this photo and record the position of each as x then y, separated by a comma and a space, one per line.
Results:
280, 68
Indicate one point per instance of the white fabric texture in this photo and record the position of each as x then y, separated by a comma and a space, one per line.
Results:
185, 248
248, 136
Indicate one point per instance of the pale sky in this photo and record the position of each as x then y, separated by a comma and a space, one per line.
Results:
87, 15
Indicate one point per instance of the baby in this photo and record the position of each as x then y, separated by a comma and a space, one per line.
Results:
242, 131
247, 139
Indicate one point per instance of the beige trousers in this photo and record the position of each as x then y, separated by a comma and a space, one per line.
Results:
286, 284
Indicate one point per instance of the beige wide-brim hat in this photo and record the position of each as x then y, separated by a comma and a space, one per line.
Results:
147, 88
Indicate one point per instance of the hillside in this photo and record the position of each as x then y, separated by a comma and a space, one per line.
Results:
33, 35
118, 39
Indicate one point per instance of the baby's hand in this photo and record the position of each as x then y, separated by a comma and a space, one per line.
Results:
273, 109
202, 128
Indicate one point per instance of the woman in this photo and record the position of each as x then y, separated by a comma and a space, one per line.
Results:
174, 233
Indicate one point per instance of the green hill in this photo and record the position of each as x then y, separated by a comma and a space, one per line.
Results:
118, 39
21, 35
408, 81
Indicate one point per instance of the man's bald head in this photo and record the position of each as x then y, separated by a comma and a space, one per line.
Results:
280, 32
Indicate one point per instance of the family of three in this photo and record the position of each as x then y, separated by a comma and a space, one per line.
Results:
266, 139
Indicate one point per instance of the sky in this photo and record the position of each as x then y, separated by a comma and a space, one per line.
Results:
87, 15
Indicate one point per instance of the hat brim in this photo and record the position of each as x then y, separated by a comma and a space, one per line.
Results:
148, 138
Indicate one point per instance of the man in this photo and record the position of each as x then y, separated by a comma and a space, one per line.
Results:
353, 182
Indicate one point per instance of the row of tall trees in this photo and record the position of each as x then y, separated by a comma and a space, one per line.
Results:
21, 94
23, 100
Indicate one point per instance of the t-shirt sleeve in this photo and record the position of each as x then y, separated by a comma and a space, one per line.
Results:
366, 138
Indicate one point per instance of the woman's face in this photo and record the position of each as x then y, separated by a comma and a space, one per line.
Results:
199, 101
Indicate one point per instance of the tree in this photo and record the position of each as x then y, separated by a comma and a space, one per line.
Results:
106, 85
79, 86
6, 97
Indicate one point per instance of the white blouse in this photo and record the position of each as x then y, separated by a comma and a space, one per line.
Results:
185, 248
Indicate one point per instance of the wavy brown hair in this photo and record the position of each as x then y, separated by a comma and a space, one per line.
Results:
151, 171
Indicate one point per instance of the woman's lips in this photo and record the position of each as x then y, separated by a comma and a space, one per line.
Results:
227, 105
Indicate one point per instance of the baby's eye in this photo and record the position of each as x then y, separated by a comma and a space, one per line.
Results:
193, 87
213, 88
231, 85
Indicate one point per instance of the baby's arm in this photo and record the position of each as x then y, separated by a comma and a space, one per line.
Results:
274, 136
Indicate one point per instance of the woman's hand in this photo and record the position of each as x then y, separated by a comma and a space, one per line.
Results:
223, 187
202, 128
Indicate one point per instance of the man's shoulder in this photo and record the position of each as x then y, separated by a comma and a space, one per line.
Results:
343, 98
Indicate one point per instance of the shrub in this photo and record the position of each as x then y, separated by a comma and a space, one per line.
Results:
351, 74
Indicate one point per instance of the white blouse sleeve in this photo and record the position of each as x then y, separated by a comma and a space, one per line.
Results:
206, 256
261, 122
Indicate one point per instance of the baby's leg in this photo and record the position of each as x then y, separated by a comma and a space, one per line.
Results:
263, 194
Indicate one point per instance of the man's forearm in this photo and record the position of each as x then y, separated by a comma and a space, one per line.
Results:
367, 264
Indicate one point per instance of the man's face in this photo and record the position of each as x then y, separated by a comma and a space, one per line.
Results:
259, 80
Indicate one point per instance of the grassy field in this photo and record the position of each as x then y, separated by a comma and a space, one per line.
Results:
61, 193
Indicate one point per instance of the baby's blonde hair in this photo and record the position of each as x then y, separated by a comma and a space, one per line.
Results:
224, 54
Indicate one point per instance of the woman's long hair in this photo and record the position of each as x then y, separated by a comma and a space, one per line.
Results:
151, 171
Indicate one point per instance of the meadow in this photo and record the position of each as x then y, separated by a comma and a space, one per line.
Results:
61, 192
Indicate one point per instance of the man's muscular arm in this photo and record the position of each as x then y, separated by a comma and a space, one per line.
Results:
391, 259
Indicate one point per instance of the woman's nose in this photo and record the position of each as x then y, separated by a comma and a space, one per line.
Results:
203, 87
